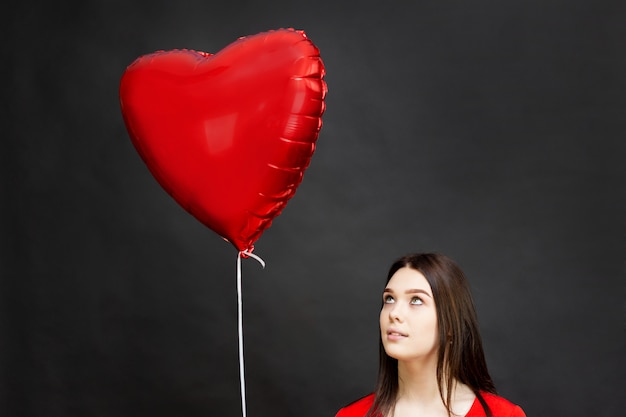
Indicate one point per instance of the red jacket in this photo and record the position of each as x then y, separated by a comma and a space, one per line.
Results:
500, 407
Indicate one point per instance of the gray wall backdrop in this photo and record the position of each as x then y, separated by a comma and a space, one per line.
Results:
492, 131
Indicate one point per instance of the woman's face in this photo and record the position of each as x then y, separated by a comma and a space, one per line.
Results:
408, 319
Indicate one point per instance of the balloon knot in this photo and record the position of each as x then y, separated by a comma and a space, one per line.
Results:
248, 254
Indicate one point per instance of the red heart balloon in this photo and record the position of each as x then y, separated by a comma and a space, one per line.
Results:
229, 135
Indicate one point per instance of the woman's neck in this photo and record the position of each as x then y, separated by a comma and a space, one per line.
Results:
417, 381
418, 391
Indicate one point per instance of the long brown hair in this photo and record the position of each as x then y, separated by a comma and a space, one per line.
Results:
460, 357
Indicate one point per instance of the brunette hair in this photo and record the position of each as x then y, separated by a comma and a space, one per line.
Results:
460, 357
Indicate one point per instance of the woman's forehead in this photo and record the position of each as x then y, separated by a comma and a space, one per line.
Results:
408, 278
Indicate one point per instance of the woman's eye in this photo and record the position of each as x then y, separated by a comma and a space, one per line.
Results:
416, 301
388, 299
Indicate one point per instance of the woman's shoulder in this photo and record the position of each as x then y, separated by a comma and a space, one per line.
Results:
500, 406
357, 408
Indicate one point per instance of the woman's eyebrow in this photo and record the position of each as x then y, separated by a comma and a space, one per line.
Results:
410, 291
417, 290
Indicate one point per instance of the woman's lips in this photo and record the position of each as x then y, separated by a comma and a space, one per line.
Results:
394, 335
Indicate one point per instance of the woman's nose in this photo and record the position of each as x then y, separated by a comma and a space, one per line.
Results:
395, 313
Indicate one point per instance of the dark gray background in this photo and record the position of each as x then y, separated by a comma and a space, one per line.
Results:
492, 131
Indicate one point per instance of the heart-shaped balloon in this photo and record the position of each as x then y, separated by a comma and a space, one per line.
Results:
229, 135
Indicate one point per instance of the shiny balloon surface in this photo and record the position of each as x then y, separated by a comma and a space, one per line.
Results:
229, 135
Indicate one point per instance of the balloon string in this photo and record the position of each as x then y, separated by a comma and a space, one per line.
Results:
242, 378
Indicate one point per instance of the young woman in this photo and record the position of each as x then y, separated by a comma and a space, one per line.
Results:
431, 355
